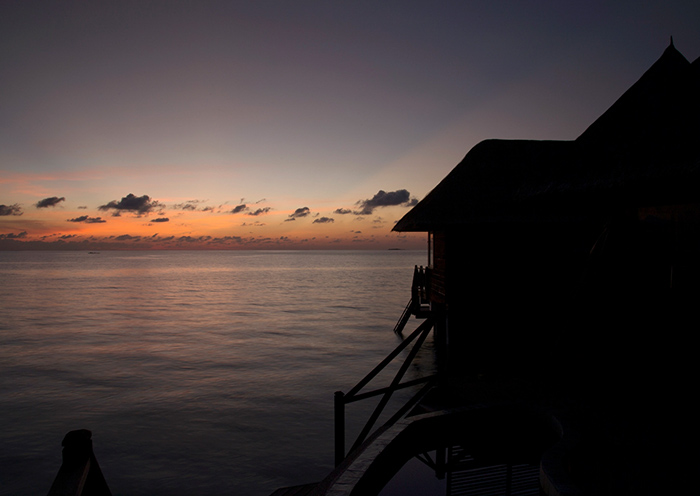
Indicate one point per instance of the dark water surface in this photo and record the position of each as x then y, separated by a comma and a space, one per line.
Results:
197, 372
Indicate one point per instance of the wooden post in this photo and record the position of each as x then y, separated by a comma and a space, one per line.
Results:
339, 407
440, 463
79, 475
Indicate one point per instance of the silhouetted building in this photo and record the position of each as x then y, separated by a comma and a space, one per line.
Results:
541, 249
573, 265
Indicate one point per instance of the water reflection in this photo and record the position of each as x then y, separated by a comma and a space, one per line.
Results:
198, 372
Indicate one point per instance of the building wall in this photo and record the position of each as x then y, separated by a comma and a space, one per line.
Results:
506, 290
518, 298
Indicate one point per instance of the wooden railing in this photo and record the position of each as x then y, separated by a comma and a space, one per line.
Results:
421, 291
419, 304
419, 287
407, 312
341, 399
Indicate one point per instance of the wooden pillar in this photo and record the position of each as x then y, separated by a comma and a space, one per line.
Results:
80, 474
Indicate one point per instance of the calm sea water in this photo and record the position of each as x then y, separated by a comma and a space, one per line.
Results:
197, 372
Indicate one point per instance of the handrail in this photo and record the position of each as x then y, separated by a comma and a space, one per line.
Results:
398, 328
341, 399
419, 287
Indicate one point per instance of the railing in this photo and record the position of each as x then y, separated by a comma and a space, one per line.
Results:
419, 304
407, 312
341, 399
419, 288
420, 291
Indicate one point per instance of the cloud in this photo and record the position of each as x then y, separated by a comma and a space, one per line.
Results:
299, 213
324, 220
131, 203
342, 211
383, 199
243, 207
161, 219
260, 211
88, 220
225, 239
378, 223
21, 235
190, 205
127, 237
49, 202
192, 239
11, 209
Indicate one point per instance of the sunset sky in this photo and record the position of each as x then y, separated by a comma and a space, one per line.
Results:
288, 124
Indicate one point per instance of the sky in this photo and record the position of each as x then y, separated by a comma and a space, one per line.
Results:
288, 124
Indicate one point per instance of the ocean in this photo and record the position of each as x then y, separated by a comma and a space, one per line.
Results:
198, 372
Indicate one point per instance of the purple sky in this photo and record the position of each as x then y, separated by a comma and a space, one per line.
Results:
288, 105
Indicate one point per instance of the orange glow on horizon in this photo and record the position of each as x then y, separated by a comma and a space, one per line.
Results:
60, 227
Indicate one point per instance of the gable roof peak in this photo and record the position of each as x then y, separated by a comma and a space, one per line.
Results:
641, 151
671, 52
646, 108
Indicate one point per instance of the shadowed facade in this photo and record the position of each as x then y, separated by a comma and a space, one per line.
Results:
573, 265
538, 246
562, 289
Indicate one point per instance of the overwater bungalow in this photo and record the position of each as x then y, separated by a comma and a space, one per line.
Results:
530, 233
560, 287
561, 292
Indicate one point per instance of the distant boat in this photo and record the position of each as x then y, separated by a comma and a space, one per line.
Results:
93, 253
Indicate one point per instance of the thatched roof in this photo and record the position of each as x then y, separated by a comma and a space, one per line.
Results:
644, 150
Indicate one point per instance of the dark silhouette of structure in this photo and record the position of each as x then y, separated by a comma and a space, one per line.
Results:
562, 283
80, 474
574, 265
532, 233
